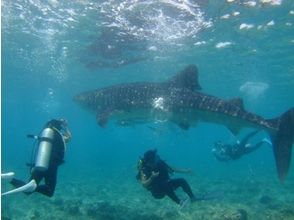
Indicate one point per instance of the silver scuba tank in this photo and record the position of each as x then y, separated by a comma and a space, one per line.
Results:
44, 149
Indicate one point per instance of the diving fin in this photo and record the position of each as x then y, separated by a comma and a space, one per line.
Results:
185, 202
209, 196
28, 188
7, 176
267, 141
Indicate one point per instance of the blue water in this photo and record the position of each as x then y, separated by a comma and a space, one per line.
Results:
54, 50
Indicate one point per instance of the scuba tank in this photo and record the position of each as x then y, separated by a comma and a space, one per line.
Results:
44, 149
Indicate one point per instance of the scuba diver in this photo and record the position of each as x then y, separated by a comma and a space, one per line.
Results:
154, 175
49, 156
227, 152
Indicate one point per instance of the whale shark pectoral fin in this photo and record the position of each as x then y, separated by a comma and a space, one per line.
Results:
238, 102
124, 123
183, 125
235, 130
102, 117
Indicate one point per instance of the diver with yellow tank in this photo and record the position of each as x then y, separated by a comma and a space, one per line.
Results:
49, 156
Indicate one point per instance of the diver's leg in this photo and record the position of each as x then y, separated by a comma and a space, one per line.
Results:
222, 158
17, 183
247, 137
171, 194
180, 182
248, 150
36, 175
50, 182
20, 186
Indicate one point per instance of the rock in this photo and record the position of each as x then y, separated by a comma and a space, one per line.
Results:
240, 214
73, 210
265, 200
243, 214
58, 202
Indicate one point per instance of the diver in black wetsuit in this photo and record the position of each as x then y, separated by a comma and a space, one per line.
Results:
154, 173
226, 152
49, 157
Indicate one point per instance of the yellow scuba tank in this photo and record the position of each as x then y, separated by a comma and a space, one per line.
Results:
44, 149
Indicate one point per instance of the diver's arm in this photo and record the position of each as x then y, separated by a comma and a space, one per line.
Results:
247, 137
66, 135
64, 130
174, 169
147, 181
249, 149
222, 158
182, 170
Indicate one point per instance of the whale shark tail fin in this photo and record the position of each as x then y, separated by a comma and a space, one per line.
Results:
282, 143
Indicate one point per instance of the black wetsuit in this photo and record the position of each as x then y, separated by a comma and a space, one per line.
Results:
50, 175
236, 151
163, 185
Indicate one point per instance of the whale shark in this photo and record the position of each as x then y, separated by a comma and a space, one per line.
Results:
179, 100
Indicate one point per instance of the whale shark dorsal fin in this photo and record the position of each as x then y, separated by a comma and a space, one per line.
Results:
187, 78
238, 102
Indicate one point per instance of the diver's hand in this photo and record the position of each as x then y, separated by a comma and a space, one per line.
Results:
154, 174
146, 182
189, 171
